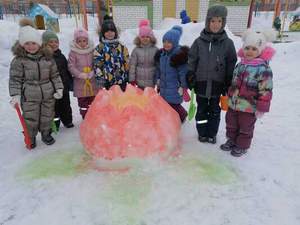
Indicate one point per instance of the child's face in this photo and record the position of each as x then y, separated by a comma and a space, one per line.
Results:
215, 24
251, 52
145, 40
167, 45
82, 42
109, 35
53, 44
31, 47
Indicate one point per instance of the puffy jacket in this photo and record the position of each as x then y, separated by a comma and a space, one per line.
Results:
251, 88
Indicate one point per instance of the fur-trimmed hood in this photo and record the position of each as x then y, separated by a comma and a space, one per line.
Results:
19, 51
179, 58
266, 54
137, 41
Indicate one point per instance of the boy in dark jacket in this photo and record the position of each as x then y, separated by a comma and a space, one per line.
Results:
63, 110
212, 58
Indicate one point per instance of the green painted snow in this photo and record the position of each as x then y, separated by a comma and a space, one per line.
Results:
65, 163
127, 196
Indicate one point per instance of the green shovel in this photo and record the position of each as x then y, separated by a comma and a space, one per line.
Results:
192, 107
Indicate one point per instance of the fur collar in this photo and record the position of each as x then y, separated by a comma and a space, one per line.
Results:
74, 47
137, 41
19, 51
266, 55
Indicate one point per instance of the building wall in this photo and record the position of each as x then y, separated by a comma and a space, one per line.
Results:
237, 18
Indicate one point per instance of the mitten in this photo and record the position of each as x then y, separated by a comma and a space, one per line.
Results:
133, 83
15, 100
186, 96
58, 94
259, 114
90, 75
83, 76
191, 79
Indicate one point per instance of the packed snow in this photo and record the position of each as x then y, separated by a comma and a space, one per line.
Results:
56, 185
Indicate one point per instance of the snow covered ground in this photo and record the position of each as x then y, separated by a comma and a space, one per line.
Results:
56, 186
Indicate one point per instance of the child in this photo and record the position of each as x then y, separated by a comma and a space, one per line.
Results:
212, 58
63, 110
171, 75
34, 82
80, 66
142, 64
250, 92
110, 57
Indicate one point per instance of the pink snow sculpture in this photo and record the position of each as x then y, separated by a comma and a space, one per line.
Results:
133, 123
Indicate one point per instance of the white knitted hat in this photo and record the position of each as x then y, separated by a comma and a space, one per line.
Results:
27, 33
258, 40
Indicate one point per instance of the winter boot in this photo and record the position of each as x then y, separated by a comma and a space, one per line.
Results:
47, 138
212, 140
202, 139
228, 145
237, 151
69, 125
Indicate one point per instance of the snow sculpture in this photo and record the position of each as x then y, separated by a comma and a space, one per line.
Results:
133, 123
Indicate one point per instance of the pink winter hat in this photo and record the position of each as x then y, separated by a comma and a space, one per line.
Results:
145, 29
80, 32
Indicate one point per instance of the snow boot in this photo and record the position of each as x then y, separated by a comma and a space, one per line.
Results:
202, 139
33, 142
212, 140
237, 151
227, 146
69, 125
47, 138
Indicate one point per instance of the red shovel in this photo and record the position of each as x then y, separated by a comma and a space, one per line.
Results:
27, 139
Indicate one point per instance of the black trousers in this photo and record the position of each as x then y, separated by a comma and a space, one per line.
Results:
63, 110
208, 116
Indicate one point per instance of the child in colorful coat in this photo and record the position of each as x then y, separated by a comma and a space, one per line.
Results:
250, 92
80, 65
171, 74
212, 58
111, 59
63, 110
142, 64
34, 82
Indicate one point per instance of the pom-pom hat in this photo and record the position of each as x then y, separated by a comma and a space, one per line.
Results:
28, 33
145, 29
80, 33
173, 35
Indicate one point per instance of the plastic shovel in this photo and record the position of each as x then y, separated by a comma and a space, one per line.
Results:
192, 107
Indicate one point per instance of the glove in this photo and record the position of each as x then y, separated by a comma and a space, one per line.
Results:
58, 94
83, 75
186, 95
15, 100
90, 75
133, 83
259, 114
180, 91
191, 79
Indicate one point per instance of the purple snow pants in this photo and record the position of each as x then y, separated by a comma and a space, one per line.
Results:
180, 110
84, 104
240, 127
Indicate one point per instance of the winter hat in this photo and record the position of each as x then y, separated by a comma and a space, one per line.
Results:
27, 32
49, 35
80, 32
258, 40
108, 25
216, 11
173, 35
145, 29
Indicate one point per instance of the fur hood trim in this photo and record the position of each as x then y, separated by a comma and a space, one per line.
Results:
19, 51
180, 58
137, 41
75, 48
266, 54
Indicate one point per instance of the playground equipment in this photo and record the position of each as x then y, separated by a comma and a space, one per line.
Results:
295, 23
